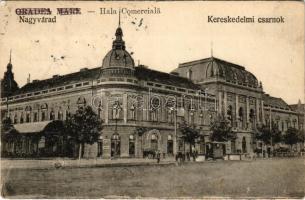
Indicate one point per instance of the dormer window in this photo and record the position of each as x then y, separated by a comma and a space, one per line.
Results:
189, 74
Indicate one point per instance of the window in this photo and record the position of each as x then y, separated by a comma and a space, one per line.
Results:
35, 117
100, 147
69, 87
170, 145
43, 115
252, 116
191, 116
131, 146
28, 117
244, 145
154, 142
132, 112
15, 119
230, 115
52, 115
189, 74
170, 116
201, 117
116, 110
68, 114
241, 117
115, 145
60, 115
21, 118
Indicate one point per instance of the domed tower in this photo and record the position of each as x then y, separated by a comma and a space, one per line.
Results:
118, 62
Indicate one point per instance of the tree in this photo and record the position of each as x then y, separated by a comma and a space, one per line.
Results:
188, 134
264, 134
139, 131
8, 132
84, 127
221, 130
291, 137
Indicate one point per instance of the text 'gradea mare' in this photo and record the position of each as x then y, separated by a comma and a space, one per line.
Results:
245, 19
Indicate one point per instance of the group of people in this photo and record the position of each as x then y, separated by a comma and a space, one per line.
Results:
180, 156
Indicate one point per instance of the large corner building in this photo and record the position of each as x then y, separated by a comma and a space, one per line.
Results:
127, 97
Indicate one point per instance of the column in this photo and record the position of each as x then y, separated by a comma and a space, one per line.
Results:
263, 114
225, 101
219, 102
236, 110
106, 110
257, 111
125, 109
247, 112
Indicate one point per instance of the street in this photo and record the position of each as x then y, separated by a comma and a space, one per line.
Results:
257, 178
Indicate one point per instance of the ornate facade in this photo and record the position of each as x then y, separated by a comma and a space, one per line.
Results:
127, 97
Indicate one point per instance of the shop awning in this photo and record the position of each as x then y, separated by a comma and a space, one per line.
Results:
33, 127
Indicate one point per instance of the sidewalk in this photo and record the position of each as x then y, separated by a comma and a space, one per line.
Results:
69, 163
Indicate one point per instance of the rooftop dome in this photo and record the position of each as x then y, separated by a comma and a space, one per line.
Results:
118, 56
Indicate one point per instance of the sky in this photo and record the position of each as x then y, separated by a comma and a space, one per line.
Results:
273, 52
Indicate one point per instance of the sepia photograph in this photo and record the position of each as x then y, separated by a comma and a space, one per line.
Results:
151, 99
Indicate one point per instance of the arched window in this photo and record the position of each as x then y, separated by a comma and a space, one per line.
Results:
44, 110
35, 117
244, 145
170, 117
68, 114
115, 145
230, 114
60, 115
81, 102
131, 146
28, 110
154, 142
52, 115
252, 115
28, 117
99, 111
116, 110
170, 145
241, 116
15, 119
100, 146
132, 112
191, 116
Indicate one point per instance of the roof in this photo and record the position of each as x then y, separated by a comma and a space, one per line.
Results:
275, 102
118, 58
82, 75
31, 127
204, 60
298, 107
215, 67
143, 73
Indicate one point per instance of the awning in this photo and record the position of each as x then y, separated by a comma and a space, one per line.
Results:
33, 127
